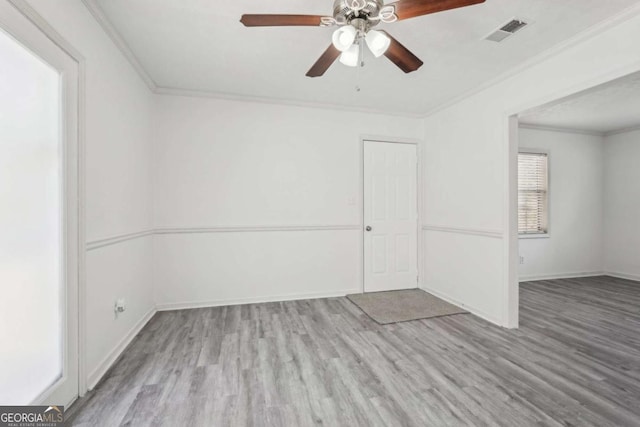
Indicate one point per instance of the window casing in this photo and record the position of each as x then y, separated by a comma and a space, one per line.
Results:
533, 193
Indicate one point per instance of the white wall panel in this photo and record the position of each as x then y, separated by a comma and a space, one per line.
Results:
202, 269
445, 252
116, 271
231, 163
622, 201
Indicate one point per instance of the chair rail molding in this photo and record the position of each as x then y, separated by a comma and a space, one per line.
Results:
113, 240
254, 228
121, 238
494, 234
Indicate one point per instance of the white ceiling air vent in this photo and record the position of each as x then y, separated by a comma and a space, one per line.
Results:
507, 30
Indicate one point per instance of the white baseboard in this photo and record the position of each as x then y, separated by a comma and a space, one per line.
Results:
252, 300
557, 276
472, 310
627, 276
96, 375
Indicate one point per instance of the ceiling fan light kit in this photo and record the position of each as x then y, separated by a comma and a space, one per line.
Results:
351, 56
377, 42
344, 37
351, 35
355, 19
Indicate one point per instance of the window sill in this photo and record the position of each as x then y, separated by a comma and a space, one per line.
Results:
534, 236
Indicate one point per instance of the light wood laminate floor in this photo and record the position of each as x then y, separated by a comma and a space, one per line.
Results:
575, 361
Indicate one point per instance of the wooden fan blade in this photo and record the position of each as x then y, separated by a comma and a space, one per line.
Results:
281, 20
401, 56
322, 65
406, 9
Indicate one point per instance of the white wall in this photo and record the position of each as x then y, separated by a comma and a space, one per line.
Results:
574, 245
118, 182
622, 201
251, 167
467, 153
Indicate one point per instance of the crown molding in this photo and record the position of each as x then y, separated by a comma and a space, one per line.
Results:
533, 126
190, 93
99, 15
621, 131
581, 37
52, 34
121, 44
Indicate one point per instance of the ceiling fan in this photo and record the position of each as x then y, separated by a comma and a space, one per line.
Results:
355, 20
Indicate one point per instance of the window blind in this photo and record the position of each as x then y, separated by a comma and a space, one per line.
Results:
533, 183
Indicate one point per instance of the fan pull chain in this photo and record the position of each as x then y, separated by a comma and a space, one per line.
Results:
360, 64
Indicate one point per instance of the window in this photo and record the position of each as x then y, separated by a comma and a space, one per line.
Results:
533, 198
30, 247
38, 216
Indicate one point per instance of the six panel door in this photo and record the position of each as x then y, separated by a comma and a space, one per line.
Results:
390, 216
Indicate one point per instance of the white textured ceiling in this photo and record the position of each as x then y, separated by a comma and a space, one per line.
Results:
607, 108
200, 45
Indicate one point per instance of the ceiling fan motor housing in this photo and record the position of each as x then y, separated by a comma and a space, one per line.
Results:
344, 11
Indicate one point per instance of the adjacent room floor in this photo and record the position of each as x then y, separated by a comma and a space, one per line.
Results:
574, 361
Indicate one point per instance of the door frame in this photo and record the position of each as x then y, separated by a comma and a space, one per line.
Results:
24, 8
419, 203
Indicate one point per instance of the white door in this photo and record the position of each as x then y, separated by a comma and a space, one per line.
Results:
390, 216
38, 216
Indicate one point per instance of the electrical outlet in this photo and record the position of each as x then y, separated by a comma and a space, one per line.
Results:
521, 260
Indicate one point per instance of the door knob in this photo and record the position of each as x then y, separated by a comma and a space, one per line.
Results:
368, 228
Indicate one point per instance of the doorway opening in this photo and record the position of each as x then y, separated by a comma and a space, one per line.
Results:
573, 187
